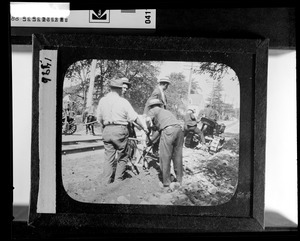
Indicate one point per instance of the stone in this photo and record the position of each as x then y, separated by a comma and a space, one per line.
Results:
212, 190
174, 185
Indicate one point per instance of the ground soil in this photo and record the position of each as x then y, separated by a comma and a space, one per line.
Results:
209, 179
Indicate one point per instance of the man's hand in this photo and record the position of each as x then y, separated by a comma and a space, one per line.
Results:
149, 123
141, 127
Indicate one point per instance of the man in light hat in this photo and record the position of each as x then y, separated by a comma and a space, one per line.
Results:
159, 93
171, 140
114, 113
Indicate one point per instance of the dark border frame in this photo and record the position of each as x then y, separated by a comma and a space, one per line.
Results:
247, 57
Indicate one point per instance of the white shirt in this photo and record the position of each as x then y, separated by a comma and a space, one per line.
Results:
114, 109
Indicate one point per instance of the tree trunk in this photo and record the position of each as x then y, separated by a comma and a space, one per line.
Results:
89, 101
83, 80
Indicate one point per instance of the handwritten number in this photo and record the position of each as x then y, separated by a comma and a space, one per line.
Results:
45, 80
47, 72
45, 66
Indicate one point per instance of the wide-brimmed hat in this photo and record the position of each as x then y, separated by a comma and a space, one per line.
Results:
126, 81
117, 83
164, 80
154, 102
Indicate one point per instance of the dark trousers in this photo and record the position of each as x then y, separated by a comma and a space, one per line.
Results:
90, 127
196, 130
115, 138
170, 148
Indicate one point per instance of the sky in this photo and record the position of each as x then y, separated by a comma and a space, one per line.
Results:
231, 93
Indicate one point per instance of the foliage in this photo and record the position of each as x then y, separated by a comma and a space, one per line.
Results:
176, 92
142, 75
216, 72
215, 97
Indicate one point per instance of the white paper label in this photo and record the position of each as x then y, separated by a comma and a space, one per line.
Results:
47, 131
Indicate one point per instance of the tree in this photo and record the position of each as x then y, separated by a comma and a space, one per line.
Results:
215, 97
195, 87
143, 77
177, 93
228, 110
215, 70
106, 70
89, 101
77, 75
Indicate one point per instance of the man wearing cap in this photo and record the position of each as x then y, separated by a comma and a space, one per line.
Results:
190, 124
171, 140
114, 113
126, 86
159, 93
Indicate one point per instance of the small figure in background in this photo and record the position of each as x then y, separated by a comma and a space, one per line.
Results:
190, 124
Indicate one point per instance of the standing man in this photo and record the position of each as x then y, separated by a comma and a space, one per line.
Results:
171, 140
66, 112
126, 86
159, 93
114, 113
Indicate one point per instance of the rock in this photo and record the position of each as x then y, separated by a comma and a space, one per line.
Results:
174, 186
212, 190
123, 200
144, 202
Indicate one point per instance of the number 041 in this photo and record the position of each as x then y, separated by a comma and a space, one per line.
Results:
148, 17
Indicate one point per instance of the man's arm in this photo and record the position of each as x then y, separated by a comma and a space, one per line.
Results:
133, 117
140, 124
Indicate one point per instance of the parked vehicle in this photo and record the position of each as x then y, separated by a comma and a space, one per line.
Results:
212, 132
